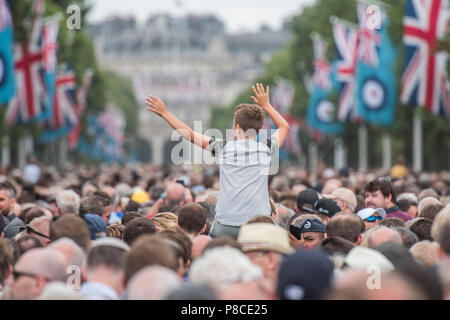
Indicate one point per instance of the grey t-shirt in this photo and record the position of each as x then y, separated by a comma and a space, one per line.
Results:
244, 167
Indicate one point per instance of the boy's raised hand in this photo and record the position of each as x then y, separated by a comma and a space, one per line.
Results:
262, 97
156, 105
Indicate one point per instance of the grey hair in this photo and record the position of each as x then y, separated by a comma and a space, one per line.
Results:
68, 201
76, 255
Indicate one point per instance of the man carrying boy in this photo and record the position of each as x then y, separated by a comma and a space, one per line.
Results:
244, 162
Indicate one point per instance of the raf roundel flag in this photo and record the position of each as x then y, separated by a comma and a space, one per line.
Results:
7, 87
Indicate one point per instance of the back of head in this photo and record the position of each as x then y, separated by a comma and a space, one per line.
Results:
130, 215
347, 226
249, 117
220, 267
440, 222
444, 237
430, 211
304, 275
409, 238
109, 253
426, 252
93, 204
222, 241
381, 235
147, 251
428, 193
152, 283
138, 227
72, 227
307, 198
425, 202
392, 222
396, 253
422, 228
44, 262
261, 219
165, 220
28, 242
192, 292
181, 239
73, 252
192, 218
68, 201
336, 245
6, 259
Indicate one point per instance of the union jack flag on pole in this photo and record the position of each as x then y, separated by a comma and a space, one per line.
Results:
346, 40
424, 81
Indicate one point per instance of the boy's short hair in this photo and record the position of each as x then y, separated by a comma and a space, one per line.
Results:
249, 116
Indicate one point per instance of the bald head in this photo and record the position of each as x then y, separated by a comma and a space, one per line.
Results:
153, 283
382, 235
72, 252
198, 245
175, 193
331, 185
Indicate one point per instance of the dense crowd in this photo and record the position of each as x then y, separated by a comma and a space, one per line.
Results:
144, 232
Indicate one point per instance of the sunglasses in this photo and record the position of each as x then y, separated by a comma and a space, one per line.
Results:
373, 218
30, 230
17, 274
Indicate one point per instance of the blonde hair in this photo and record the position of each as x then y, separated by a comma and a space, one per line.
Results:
116, 230
166, 220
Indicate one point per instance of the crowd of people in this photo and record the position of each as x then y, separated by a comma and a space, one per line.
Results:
144, 232
231, 231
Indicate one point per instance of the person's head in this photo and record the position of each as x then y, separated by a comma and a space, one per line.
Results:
147, 251
282, 214
7, 198
408, 204
72, 227
392, 222
73, 254
378, 193
335, 245
183, 247
429, 192
409, 238
222, 241
68, 201
345, 198
198, 245
346, 225
175, 195
130, 215
6, 260
422, 228
34, 270
107, 256
39, 227
221, 267
382, 235
307, 199
426, 252
153, 283
28, 242
138, 227
115, 230
261, 219
371, 217
96, 204
192, 292
33, 213
324, 209
97, 226
165, 221
304, 275
132, 206
248, 119
155, 192
265, 244
397, 253
192, 219
431, 210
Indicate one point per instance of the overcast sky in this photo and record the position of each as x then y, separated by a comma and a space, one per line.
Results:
239, 15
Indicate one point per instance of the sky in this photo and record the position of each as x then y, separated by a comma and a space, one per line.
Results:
238, 15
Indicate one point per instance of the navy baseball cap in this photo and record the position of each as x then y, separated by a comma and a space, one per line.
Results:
327, 207
307, 225
307, 197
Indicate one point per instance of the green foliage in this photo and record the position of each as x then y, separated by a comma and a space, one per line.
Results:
294, 62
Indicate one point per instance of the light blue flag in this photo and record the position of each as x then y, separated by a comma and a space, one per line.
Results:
7, 84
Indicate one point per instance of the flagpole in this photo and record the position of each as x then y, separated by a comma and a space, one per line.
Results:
313, 156
6, 152
417, 142
387, 153
362, 137
339, 154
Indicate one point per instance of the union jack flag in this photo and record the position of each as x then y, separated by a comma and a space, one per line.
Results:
424, 81
64, 103
50, 44
292, 144
368, 39
5, 15
322, 68
346, 39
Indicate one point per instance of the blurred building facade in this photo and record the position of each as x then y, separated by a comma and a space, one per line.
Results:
190, 62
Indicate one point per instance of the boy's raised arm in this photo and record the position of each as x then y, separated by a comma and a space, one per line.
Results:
157, 106
262, 98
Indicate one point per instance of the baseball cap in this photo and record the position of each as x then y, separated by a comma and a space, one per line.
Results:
327, 207
308, 196
367, 212
264, 237
304, 275
307, 225
343, 194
